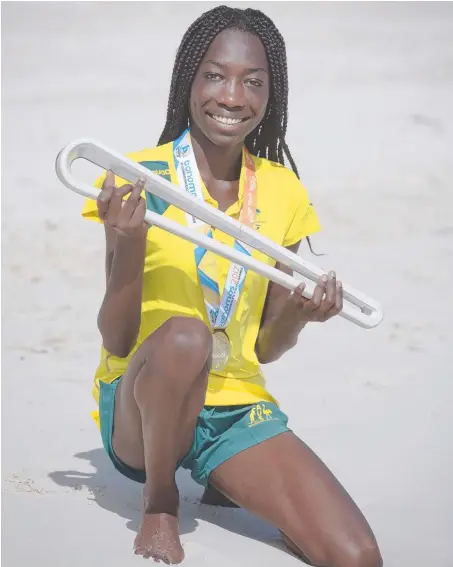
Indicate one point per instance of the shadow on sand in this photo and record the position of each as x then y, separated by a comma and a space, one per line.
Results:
117, 494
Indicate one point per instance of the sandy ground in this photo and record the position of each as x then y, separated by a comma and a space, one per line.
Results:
371, 128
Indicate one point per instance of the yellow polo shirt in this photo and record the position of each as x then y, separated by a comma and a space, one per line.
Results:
170, 285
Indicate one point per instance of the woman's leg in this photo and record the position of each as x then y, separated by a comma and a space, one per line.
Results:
282, 481
157, 404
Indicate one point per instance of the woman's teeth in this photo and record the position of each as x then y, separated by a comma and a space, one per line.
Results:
228, 121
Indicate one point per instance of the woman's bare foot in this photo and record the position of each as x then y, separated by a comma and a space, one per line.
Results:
158, 539
158, 536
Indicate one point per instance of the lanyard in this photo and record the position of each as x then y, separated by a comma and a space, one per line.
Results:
220, 307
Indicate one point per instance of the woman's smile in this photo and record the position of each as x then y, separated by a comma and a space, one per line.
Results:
227, 122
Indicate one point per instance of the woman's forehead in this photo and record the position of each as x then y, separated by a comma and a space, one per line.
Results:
238, 47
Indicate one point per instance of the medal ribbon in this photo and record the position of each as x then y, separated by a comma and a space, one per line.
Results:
220, 307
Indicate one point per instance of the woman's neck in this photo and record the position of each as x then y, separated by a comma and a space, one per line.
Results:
219, 164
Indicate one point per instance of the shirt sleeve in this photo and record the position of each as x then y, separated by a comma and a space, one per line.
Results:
304, 221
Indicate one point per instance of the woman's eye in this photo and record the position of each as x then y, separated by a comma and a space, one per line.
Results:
255, 82
212, 76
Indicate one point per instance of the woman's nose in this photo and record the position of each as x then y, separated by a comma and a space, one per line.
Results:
232, 95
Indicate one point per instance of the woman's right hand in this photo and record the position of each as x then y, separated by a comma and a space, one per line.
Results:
125, 217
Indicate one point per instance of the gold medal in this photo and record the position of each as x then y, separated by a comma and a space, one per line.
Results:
221, 350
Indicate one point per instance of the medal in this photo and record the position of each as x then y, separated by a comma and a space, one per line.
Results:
221, 350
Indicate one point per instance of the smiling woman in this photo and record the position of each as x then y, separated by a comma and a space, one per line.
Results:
184, 332
230, 91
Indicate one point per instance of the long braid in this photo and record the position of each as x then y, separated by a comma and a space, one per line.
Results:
268, 139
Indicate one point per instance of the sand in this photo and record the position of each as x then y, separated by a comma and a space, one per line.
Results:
371, 129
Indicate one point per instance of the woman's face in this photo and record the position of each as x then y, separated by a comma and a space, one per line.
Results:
230, 91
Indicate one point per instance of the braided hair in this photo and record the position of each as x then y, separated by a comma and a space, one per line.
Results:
268, 138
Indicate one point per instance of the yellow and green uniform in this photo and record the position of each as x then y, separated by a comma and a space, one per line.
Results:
170, 284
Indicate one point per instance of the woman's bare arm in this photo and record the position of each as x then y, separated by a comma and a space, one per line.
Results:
125, 235
275, 338
286, 313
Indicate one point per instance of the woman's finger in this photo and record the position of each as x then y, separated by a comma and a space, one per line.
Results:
129, 205
109, 181
331, 290
105, 195
339, 297
137, 191
138, 216
297, 293
116, 204
318, 293
338, 305
103, 201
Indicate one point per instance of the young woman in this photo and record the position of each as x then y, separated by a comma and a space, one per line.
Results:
184, 331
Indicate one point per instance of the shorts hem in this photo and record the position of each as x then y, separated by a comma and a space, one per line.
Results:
106, 411
253, 440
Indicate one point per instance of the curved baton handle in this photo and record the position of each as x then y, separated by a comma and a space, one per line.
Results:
357, 308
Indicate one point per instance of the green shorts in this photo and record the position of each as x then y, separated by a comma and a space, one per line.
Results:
221, 433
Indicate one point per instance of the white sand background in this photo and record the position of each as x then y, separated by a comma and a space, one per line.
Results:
371, 129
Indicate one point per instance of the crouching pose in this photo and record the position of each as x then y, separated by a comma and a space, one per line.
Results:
184, 331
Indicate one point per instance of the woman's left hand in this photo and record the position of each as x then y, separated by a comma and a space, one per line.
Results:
327, 301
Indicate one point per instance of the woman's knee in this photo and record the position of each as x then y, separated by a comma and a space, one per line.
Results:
187, 340
187, 334
363, 553
181, 343
351, 553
